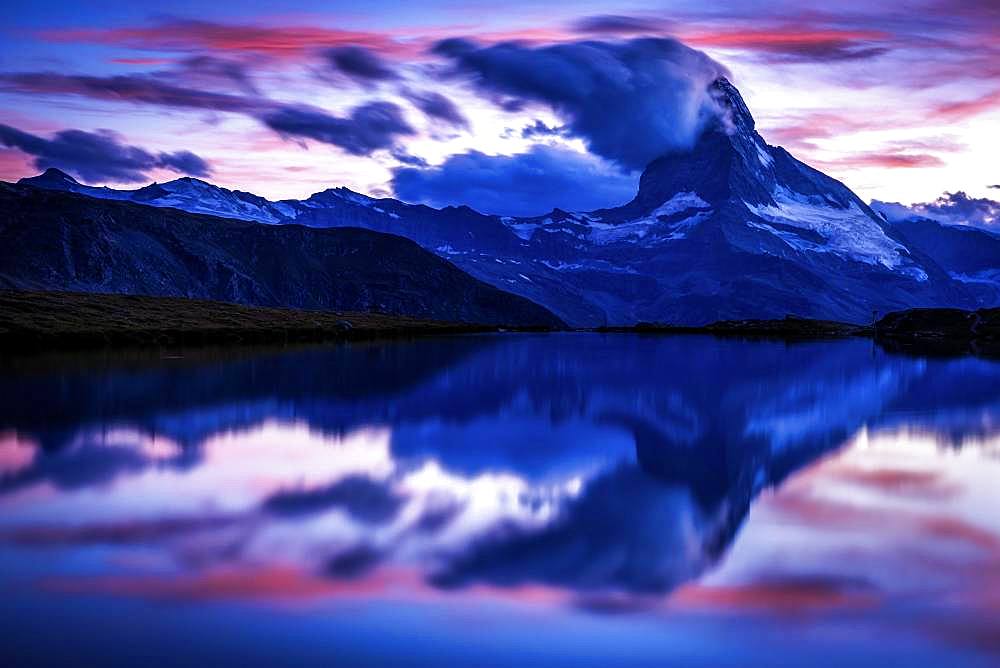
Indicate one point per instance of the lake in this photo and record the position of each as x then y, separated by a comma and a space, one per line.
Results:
507, 500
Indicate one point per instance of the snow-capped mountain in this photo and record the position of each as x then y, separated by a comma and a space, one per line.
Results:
970, 254
187, 194
734, 228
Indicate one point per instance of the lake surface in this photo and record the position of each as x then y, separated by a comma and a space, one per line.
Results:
562, 499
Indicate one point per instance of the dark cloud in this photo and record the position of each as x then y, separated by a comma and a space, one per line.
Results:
361, 497
798, 42
996, 186
525, 184
354, 562
129, 532
618, 24
369, 127
127, 88
438, 107
76, 468
824, 53
627, 532
540, 129
409, 159
99, 156
360, 64
629, 101
213, 71
772, 38
510, 104
438, 515
184, 162
952, 208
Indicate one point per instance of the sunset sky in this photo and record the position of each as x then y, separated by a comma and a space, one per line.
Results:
899, 99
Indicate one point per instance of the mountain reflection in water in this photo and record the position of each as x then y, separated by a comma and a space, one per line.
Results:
418, 490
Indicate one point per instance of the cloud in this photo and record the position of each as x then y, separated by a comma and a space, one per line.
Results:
629, 101
783, 593
600, 542
802, 131
126, 532
99, 156
214, 72
408, 158
795, 42
618, 24
184, 35
138, 89
954, 111
361, 64
525, 184
540, 129
361, 497
808, 39
951, 208
353, 563
437, 106
141, 61
369, 127
885, 160
184, 162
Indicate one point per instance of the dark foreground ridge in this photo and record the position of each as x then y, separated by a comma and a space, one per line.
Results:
53, 320
945, 331
790, 327
57, 241
921, 331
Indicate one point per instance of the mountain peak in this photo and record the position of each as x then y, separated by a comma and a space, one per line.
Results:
737, 113
730, 161
50, 178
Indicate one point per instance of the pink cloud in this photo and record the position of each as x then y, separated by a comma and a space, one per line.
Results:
890, 160
954, 111
189, 36
14, 165
789, 595
272, 583
141, 61
795, 41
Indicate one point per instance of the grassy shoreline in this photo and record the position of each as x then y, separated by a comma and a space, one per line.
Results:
34, 321
64, 320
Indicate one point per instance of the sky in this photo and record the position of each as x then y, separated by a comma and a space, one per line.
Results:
448, 102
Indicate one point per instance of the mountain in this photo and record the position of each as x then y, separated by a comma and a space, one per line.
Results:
971, 254
188, 194
64, 241
732, 229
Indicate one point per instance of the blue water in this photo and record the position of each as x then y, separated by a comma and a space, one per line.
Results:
558, 499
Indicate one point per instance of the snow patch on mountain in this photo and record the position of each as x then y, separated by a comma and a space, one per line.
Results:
200, 197
985, 277
849, 232
523, 229
592, 228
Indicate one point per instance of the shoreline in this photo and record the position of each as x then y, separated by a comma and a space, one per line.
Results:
67, 321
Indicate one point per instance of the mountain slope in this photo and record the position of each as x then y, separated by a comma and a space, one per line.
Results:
971, 255
62, 241
733, 229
